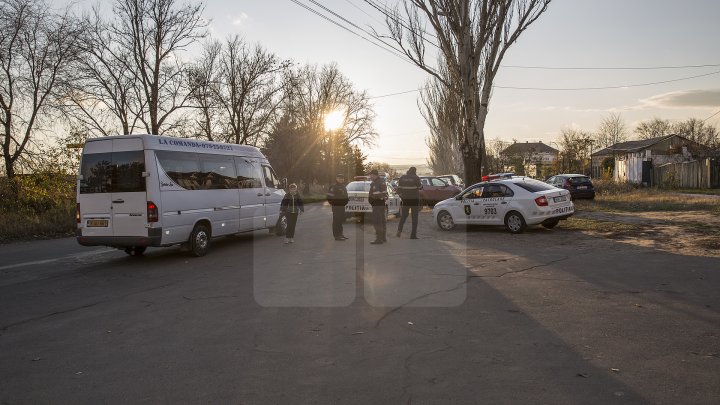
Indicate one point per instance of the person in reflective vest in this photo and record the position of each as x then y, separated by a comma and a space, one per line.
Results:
409, 187
337, 196
376, 197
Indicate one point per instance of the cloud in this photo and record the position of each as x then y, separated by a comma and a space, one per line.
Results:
240, 19
685, 99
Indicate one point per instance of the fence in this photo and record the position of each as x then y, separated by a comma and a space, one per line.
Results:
703, 173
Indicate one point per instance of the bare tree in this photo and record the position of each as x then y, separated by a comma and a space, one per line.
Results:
612, 130
310, 93
472, 38
152, 33
653, 128
575, 150
105, 99
497, 159
204, 95
38, 47
441, 107
248, 89
698, 131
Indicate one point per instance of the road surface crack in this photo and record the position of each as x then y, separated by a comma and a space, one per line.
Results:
392, 311
67, 311
537, 266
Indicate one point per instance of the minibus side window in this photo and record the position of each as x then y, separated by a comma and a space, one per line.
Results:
182, 167
270, 178
248, 174
218, 171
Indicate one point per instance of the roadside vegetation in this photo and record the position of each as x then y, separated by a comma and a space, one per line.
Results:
41, 205
664, 219
628, 198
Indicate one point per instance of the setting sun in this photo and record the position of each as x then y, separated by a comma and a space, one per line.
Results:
334, 120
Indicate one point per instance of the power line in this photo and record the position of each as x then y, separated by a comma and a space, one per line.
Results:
716, 113
607, 87
394, 94
570, 88
325, 17
609, 67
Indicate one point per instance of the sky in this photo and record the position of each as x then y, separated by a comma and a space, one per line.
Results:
650, 34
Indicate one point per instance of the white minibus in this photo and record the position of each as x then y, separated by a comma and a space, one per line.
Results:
136, 191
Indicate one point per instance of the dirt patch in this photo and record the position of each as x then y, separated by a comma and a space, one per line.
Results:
692, 233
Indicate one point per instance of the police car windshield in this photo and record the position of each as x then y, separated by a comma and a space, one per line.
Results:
359, 186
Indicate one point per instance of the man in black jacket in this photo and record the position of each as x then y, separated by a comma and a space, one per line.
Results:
376, 197
409, 187
337, 196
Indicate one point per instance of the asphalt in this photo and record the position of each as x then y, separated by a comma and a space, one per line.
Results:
470, 316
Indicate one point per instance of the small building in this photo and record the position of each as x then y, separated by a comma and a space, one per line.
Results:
534, 156
633, 161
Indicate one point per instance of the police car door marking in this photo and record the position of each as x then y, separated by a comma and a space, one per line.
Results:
468, 210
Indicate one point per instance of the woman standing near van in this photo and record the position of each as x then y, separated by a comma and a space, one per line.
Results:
291, 206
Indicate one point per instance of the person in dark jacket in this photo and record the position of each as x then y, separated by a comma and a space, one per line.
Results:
376, 197
409, 187
337, 196
291, 206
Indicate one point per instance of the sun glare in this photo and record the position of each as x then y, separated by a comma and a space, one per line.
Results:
334, 120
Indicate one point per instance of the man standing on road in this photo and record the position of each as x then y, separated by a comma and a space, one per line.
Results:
376, 197
337, 196
409, 189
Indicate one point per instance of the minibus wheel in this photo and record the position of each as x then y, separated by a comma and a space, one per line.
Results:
135, 250
199, 240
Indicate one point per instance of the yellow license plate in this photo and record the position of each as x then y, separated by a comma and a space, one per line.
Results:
97, 223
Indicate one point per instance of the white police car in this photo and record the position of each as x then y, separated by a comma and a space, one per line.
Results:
358, 204
515, 202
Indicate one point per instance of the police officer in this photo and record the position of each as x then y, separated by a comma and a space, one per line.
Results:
337, 196
376, 197
409, 187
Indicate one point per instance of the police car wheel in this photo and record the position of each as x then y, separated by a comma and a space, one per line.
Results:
514, 222
551, 224
199, 240
445, 221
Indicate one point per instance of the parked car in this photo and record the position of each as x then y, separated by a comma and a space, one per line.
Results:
580, 186
453, 179
435, 190
358, 204
496, 176
515, 203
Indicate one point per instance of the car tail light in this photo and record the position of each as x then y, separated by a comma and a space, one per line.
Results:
152, 212
77, 214
541, 201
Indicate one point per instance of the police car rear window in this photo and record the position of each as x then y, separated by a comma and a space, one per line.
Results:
534, 186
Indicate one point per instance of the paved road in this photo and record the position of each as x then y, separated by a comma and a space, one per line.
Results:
463, 317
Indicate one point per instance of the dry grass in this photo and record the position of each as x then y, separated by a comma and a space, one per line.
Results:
23, 225
644, 200
599, 226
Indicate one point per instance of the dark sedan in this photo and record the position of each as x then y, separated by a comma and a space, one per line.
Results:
580, 186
